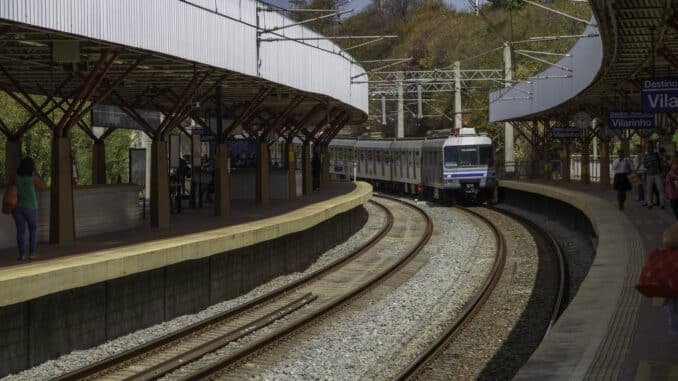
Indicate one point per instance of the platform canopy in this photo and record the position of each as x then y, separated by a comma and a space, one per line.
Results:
630, 40
170, 55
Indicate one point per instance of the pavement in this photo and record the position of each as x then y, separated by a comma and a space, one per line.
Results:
187, 222
654, 353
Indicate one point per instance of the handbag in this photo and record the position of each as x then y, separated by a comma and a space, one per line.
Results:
659, 276
634, 179
9, 199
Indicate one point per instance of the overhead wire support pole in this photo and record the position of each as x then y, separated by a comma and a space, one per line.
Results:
457, 96
543, 53
321, 38
555, 38
508, 127
381, 68
364, 44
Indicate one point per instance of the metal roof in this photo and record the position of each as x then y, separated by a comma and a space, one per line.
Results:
164, 44
639, 40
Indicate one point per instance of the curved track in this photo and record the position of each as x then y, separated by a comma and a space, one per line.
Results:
136, 359
427, 359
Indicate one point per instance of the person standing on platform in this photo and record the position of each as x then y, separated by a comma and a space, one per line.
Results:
622, 167
640, 171
671, 185
653, 167
315, 168
26, 210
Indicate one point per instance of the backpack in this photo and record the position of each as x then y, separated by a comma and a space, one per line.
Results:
659, 277
10, 199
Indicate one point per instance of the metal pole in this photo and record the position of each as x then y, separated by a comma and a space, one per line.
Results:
420, 114
400, 132
508, 127
383, 110
457, 96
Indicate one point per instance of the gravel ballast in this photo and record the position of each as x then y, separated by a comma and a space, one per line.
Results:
81, 358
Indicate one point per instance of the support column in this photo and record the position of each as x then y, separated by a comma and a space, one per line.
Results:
160, 201
12, 156
604, 161
61, 213
324, 165
535, 148
509, 158
565, 161
291, 172
263, 164
222, 182
306, 169
98, 162
585, 159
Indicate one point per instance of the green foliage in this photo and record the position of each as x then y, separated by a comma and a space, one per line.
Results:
37, 141
436, 35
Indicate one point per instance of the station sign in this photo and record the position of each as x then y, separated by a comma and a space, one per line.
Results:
659, 94
566, 133
630, 121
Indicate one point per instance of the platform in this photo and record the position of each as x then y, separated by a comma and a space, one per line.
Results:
609, 330
194, 234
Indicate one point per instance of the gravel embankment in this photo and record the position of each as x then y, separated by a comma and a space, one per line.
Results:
510, 325
81, 358
383, 330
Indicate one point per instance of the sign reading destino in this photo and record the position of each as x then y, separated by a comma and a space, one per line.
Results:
659, 94
566, 133
630, 120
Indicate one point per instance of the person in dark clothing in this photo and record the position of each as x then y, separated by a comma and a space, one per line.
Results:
653, 167
315, 168
622, 166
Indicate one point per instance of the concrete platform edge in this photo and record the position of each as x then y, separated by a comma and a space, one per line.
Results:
18, 284
585, 330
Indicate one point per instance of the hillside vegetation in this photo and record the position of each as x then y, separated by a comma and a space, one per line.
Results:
436, 35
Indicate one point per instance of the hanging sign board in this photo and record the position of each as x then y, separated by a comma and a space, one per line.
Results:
566, 133
631, 121
659, 94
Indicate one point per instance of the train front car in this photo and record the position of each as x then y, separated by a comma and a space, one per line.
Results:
468, 166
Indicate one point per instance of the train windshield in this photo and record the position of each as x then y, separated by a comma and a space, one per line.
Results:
468, 156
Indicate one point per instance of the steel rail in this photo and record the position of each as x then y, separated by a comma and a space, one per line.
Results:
563, 279
115, 361
471, 308
265, 342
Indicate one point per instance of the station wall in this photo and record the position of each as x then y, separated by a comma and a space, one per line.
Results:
44, 328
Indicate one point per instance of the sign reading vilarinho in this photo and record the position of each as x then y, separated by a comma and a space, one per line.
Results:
566, 133
659, 94
630, 120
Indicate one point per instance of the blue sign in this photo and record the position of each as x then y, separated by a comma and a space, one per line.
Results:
659, 94
630, 121
566, 133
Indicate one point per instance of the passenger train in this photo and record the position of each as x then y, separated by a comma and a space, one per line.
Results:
458, 167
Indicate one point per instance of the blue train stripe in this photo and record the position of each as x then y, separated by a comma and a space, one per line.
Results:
447, 176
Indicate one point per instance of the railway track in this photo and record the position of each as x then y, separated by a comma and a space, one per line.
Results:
427, 359
310, 297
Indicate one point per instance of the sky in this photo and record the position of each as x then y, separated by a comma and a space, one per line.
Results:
359, 4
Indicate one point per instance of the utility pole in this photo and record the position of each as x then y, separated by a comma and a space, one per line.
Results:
508, 127
400, 131
383, 110
457, 96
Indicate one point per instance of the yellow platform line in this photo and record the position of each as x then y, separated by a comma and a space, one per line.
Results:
644, 371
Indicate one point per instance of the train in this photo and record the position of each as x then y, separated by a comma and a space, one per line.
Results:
459, 167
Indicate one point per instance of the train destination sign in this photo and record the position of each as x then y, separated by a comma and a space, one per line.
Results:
659, 94
630, 121
566, 133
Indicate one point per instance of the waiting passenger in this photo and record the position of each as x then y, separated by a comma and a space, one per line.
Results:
26, 210
640, 171
653, 167
622, 167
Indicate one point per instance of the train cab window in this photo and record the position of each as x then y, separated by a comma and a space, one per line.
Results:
467, 156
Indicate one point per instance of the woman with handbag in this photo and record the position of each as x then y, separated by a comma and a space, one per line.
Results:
622, 167
26, 210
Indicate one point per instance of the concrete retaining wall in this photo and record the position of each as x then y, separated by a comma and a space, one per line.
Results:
44, 328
